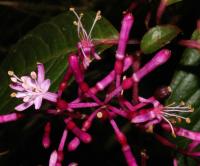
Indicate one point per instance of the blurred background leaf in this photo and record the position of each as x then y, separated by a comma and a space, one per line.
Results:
186, 87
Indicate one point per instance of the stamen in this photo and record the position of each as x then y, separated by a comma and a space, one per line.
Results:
169, 89
177, 108
10, 73
182, 103
33, 75
99, 115
172, 129
80, 28
150, 129
188, 120
171, 104
98, 17
186, 111
13, 94
13, 79
75, 23
169, 114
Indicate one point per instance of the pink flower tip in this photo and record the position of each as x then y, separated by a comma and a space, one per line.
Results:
53, 158
46, 142
162, 56
86, 138
73, 144
128, 18
73, 164
10, 117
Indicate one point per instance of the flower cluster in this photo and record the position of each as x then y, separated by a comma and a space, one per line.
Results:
140, 112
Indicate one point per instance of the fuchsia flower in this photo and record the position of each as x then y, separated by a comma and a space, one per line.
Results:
32, 89
160, 113
85, 45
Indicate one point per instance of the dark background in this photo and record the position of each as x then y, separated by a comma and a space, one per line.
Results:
20, 142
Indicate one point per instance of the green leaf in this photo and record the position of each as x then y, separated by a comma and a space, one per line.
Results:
157, 37
171, 2
49, 43
186, 87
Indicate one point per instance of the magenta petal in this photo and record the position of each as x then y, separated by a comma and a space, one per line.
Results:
16, 87
38, 102
53, 158
183, 132
23, 106
175, 162
188, 134
152, 122
9, 117
62, 141
97, 56
143, 118
50, 96
73, 144
41, 72
45, 85
28, 82
130, 159
46, 141
21, 94
193, 145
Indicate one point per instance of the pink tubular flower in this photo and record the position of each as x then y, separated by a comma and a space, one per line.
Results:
160, 58
10, 117
32, 89
53, 158
184, 132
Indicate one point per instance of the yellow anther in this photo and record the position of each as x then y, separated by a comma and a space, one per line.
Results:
179, 120
81, 14
144, 154
58, 110
71, 9
182, 103
75, 23
173, 121
124, 12
170, 104
99, 115
169, 89
149, 129
190, 106
83, 116
10, 73
174, 135
13, 79
33, 75
98, 12
191, 110
188, 120
13, 94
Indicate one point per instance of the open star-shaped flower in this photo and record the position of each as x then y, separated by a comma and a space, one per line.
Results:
32, 89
